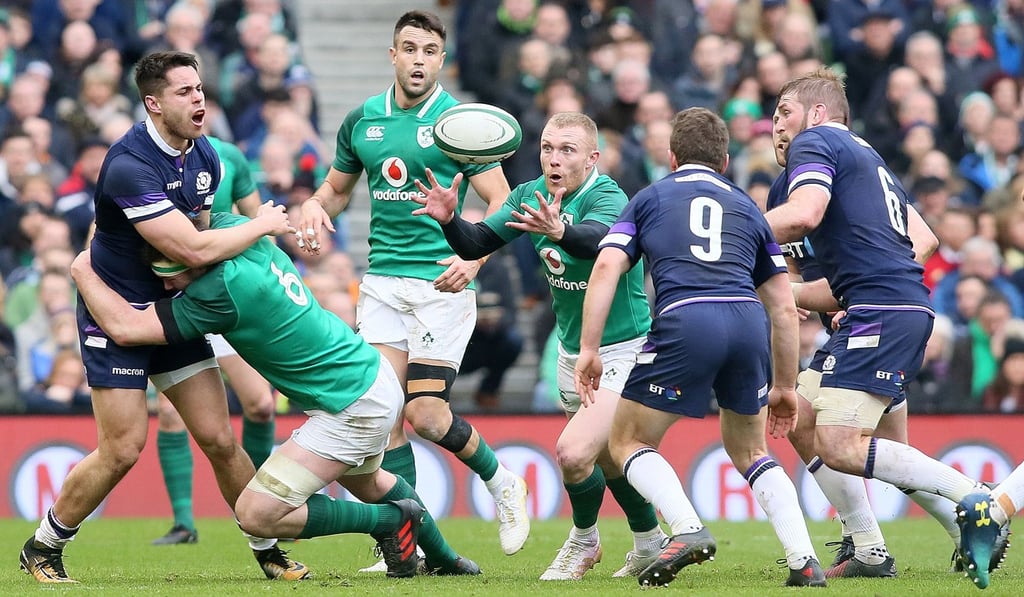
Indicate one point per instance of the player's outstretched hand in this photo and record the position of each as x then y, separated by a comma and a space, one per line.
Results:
276, 219
313, 219
458, 275
588, 376
545, 219
782, 411
439, 202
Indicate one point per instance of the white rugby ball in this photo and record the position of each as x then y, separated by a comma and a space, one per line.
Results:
477, 133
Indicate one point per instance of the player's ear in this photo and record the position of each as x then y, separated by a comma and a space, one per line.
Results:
152, 104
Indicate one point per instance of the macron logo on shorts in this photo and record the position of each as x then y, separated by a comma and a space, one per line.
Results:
127, 371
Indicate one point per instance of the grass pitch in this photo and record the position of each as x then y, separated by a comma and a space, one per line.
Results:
114, 557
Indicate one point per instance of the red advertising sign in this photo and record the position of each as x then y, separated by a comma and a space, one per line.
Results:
37, 452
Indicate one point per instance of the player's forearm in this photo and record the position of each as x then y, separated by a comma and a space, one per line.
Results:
815, 296
597, 303
785, 333
117, 318
213, 246
471, 241
924, 240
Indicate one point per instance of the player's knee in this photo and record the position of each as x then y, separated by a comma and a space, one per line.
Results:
260, 412
573, 458
218, 446
119, 458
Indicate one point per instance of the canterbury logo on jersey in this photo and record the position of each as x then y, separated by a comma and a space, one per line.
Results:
374, 133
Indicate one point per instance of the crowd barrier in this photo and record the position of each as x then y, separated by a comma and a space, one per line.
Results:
36, 453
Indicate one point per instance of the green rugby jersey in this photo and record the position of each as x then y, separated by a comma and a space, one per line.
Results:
599, 198
258, 302
236, 180
394, 147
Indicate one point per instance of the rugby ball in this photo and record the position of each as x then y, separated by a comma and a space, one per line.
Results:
477, 133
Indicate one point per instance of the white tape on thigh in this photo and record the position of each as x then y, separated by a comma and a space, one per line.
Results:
286, 480
849, 408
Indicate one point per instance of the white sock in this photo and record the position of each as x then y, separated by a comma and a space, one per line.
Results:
850, 498
498, 481
587, 535
648, 541
941, 509
655, 479
259, 543
777, 496
53, 533
905, 466
1009, 495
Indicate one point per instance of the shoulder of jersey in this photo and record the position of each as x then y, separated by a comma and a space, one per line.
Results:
477, 133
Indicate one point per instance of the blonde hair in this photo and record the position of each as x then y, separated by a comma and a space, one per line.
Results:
822, 86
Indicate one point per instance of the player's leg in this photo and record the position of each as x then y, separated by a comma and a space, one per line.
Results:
636, 432
175, 456
439, 326
861, 536
257, 399
198, 394
122, 423
744, 441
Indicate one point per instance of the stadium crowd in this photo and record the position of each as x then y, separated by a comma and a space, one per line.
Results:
936, 87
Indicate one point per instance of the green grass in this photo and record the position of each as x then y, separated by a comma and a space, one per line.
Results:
113, 557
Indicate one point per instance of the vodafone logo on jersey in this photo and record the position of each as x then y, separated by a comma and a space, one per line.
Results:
552, 260
539, 471
39, 477
395, 172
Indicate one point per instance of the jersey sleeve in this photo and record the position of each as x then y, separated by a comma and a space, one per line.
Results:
497, 220
606, 206
345, 158
136, 189
810, 162
206, 306
624, 233
770, 260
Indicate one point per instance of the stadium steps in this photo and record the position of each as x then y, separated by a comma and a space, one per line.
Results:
345, 45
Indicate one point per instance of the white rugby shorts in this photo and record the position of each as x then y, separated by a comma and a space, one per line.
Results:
617, 360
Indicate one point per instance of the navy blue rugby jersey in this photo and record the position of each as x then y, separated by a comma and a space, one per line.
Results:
800, 251
862, 243
704, 237
143, 178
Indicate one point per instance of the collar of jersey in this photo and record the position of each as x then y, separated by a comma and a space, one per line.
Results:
392, 106
155, 136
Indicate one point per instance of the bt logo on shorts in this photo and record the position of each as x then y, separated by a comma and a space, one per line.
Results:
375, 133
670, 393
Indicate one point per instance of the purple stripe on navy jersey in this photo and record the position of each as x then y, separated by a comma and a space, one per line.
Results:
867, 329
93, 329
623, 228
812, 167
773, 249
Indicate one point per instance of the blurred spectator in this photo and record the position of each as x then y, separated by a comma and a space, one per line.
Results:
880, 120
739, 115
925, 55
933, 389
536, 58
98, 100
78, 48
672, 24
75, 196
953, 228
720, 18
497, 28
51, 251
274, 65
27, 99
10, 399
772, 73
845, 22
867, 64
50, 19
496, 342
992, 163
602, 56
977, 353
64, 391
118, 124
558, 95
932, 17
1005, 92
797, 36
1006, 392
973, 122
41, 132
970, 58
631, 79
240, 64
1008, 35
46, 327
17, 163
980, 257
227, 14
709, 79
918, 139
184, 29
640, 169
